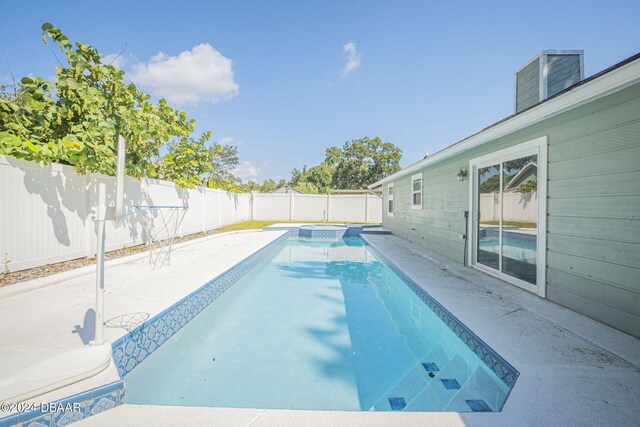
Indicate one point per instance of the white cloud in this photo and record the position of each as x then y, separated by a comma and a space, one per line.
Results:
353, 59
201, 74
115, 59
246, 170
227, 140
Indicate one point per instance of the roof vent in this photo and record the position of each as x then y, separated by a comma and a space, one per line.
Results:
550, 72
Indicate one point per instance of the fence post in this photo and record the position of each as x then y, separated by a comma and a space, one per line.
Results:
366, 208
254, 199
218, 191
291, 206
203, 202
328, 207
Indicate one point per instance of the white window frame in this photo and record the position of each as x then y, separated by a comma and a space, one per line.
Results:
415, 177
390, 192
537, 146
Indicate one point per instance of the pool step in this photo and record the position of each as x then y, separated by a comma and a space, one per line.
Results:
407, 388
414, 381
455, 386
440, 391
480, 393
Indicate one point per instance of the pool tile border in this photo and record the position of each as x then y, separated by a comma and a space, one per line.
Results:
90, 402
134, 347
321, 234
503, 369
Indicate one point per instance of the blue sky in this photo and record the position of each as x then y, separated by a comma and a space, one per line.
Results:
272, 77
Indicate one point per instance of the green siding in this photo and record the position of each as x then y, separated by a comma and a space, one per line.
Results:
562, 71
528, 86
438, 225
593, 207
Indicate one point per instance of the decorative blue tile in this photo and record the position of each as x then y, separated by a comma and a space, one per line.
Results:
138, 344
10, 420
478, 405
503, 369
39, 421
102, 403
67, 417
397, 403
450, 383
430, 367
71, 409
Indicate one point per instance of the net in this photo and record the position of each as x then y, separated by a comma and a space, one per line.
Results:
160, 224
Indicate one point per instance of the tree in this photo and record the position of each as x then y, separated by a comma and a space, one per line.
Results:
317, 179
191, 163
188, 161
268, 186
224, 158
249, 186
362, 162
306, 187
75, 118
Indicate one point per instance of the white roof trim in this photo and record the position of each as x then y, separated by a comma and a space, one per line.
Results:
613, 81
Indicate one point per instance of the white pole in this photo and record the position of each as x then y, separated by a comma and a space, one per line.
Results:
100, 219
291, 206
120, 178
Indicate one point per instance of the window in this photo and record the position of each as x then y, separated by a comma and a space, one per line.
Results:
416, 191
390, 198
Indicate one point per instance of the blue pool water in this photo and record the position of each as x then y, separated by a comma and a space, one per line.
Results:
318, 325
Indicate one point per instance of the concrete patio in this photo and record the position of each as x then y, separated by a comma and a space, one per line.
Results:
573, 370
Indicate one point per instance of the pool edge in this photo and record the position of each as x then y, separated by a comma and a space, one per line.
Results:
491, 358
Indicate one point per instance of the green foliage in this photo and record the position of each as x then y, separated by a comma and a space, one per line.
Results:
356, 165
362, 162
249, 186
188, 161
75, 118
528, 187
197, 163
307, 188
317, 179
224, 158
268, 186
490, 184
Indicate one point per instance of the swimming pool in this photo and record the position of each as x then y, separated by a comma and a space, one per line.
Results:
324, 325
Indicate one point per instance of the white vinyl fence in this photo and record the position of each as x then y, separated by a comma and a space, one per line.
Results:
46, 211
515, 206
315, 207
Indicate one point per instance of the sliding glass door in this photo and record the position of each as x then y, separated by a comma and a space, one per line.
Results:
508, 240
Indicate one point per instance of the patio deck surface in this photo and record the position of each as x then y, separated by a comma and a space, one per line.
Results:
573, 370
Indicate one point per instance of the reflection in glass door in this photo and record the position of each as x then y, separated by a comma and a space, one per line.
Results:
507, 217
520, 218
488, 241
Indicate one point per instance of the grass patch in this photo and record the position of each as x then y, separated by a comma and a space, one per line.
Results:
521, 224
253, 225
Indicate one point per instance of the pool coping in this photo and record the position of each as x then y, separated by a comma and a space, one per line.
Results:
55, 278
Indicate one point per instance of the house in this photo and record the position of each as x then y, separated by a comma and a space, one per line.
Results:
547, 199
